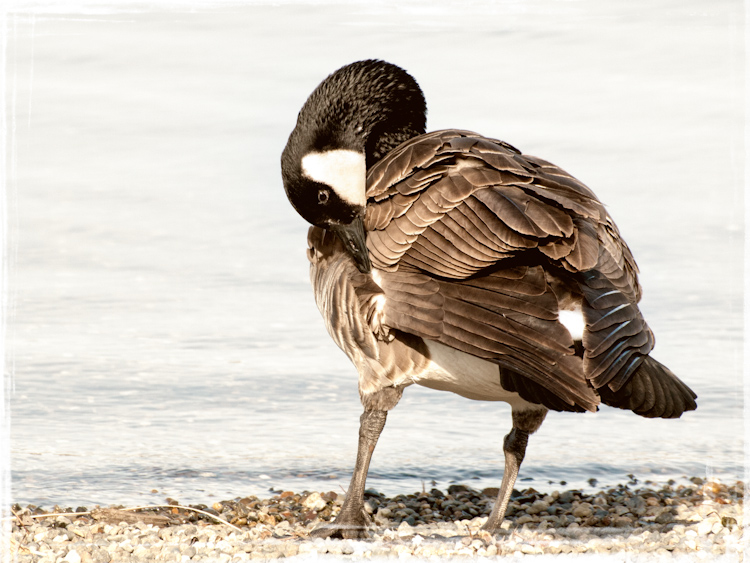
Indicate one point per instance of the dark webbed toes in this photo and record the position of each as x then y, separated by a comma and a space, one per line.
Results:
346, 526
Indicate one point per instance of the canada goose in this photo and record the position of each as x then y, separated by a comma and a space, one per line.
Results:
456, 262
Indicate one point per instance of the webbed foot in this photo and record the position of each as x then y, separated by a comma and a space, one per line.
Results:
347, 526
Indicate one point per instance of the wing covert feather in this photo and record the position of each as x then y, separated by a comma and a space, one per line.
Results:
508, 318
452, 206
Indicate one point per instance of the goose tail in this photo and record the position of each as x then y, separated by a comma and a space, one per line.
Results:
653, 391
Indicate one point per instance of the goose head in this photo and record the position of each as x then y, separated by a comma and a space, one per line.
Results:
350, 121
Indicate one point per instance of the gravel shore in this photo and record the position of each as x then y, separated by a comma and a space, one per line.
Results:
698, 521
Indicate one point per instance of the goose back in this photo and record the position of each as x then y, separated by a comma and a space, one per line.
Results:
452, 207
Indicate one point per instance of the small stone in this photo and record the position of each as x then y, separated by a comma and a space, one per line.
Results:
524, 519
72, 557
567, 496
405, 529
620, 510
728, 522
704, 528
537, 506
583, 510
622, 522
289, 549
100, 556
637, 505
664, 518
314, 502
600, 501
383, 513
141, 552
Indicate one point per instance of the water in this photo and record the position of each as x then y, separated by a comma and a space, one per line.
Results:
162, 331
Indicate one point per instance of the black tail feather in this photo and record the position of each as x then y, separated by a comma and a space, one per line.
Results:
535, 393
653, 391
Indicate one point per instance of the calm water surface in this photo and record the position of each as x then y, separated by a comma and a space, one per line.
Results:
163, 339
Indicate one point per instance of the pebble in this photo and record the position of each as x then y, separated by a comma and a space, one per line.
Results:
314, 502
700, 519
537, 506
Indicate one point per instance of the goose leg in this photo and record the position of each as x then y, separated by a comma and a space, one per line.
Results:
514, 447
352, 521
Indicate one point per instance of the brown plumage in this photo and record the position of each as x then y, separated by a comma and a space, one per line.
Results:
457, 271
485, 233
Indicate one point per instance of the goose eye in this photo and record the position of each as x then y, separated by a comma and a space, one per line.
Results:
323, 196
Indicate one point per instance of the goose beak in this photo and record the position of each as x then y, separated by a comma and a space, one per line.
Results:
353, 237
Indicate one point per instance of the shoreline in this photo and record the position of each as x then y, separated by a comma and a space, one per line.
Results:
703, 519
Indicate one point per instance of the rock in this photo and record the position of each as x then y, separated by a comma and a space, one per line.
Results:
728, 522
100, 556
285, 549
314, 502
704, 528
665, 517
455, 489
282, 529
622, 522
405, 529
583, 510
537, 506
72, 557
637, 505
524, 519
141, 552
567, 497
600, 501
620, 510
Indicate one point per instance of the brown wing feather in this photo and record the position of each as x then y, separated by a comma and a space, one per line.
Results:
508, 317
452, 205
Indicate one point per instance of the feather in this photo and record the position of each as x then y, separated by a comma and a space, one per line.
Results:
469, 236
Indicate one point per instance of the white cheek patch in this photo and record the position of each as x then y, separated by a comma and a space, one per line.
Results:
344, 171
573, 321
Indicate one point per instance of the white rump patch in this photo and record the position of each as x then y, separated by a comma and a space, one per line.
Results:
573, 321
344, 171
